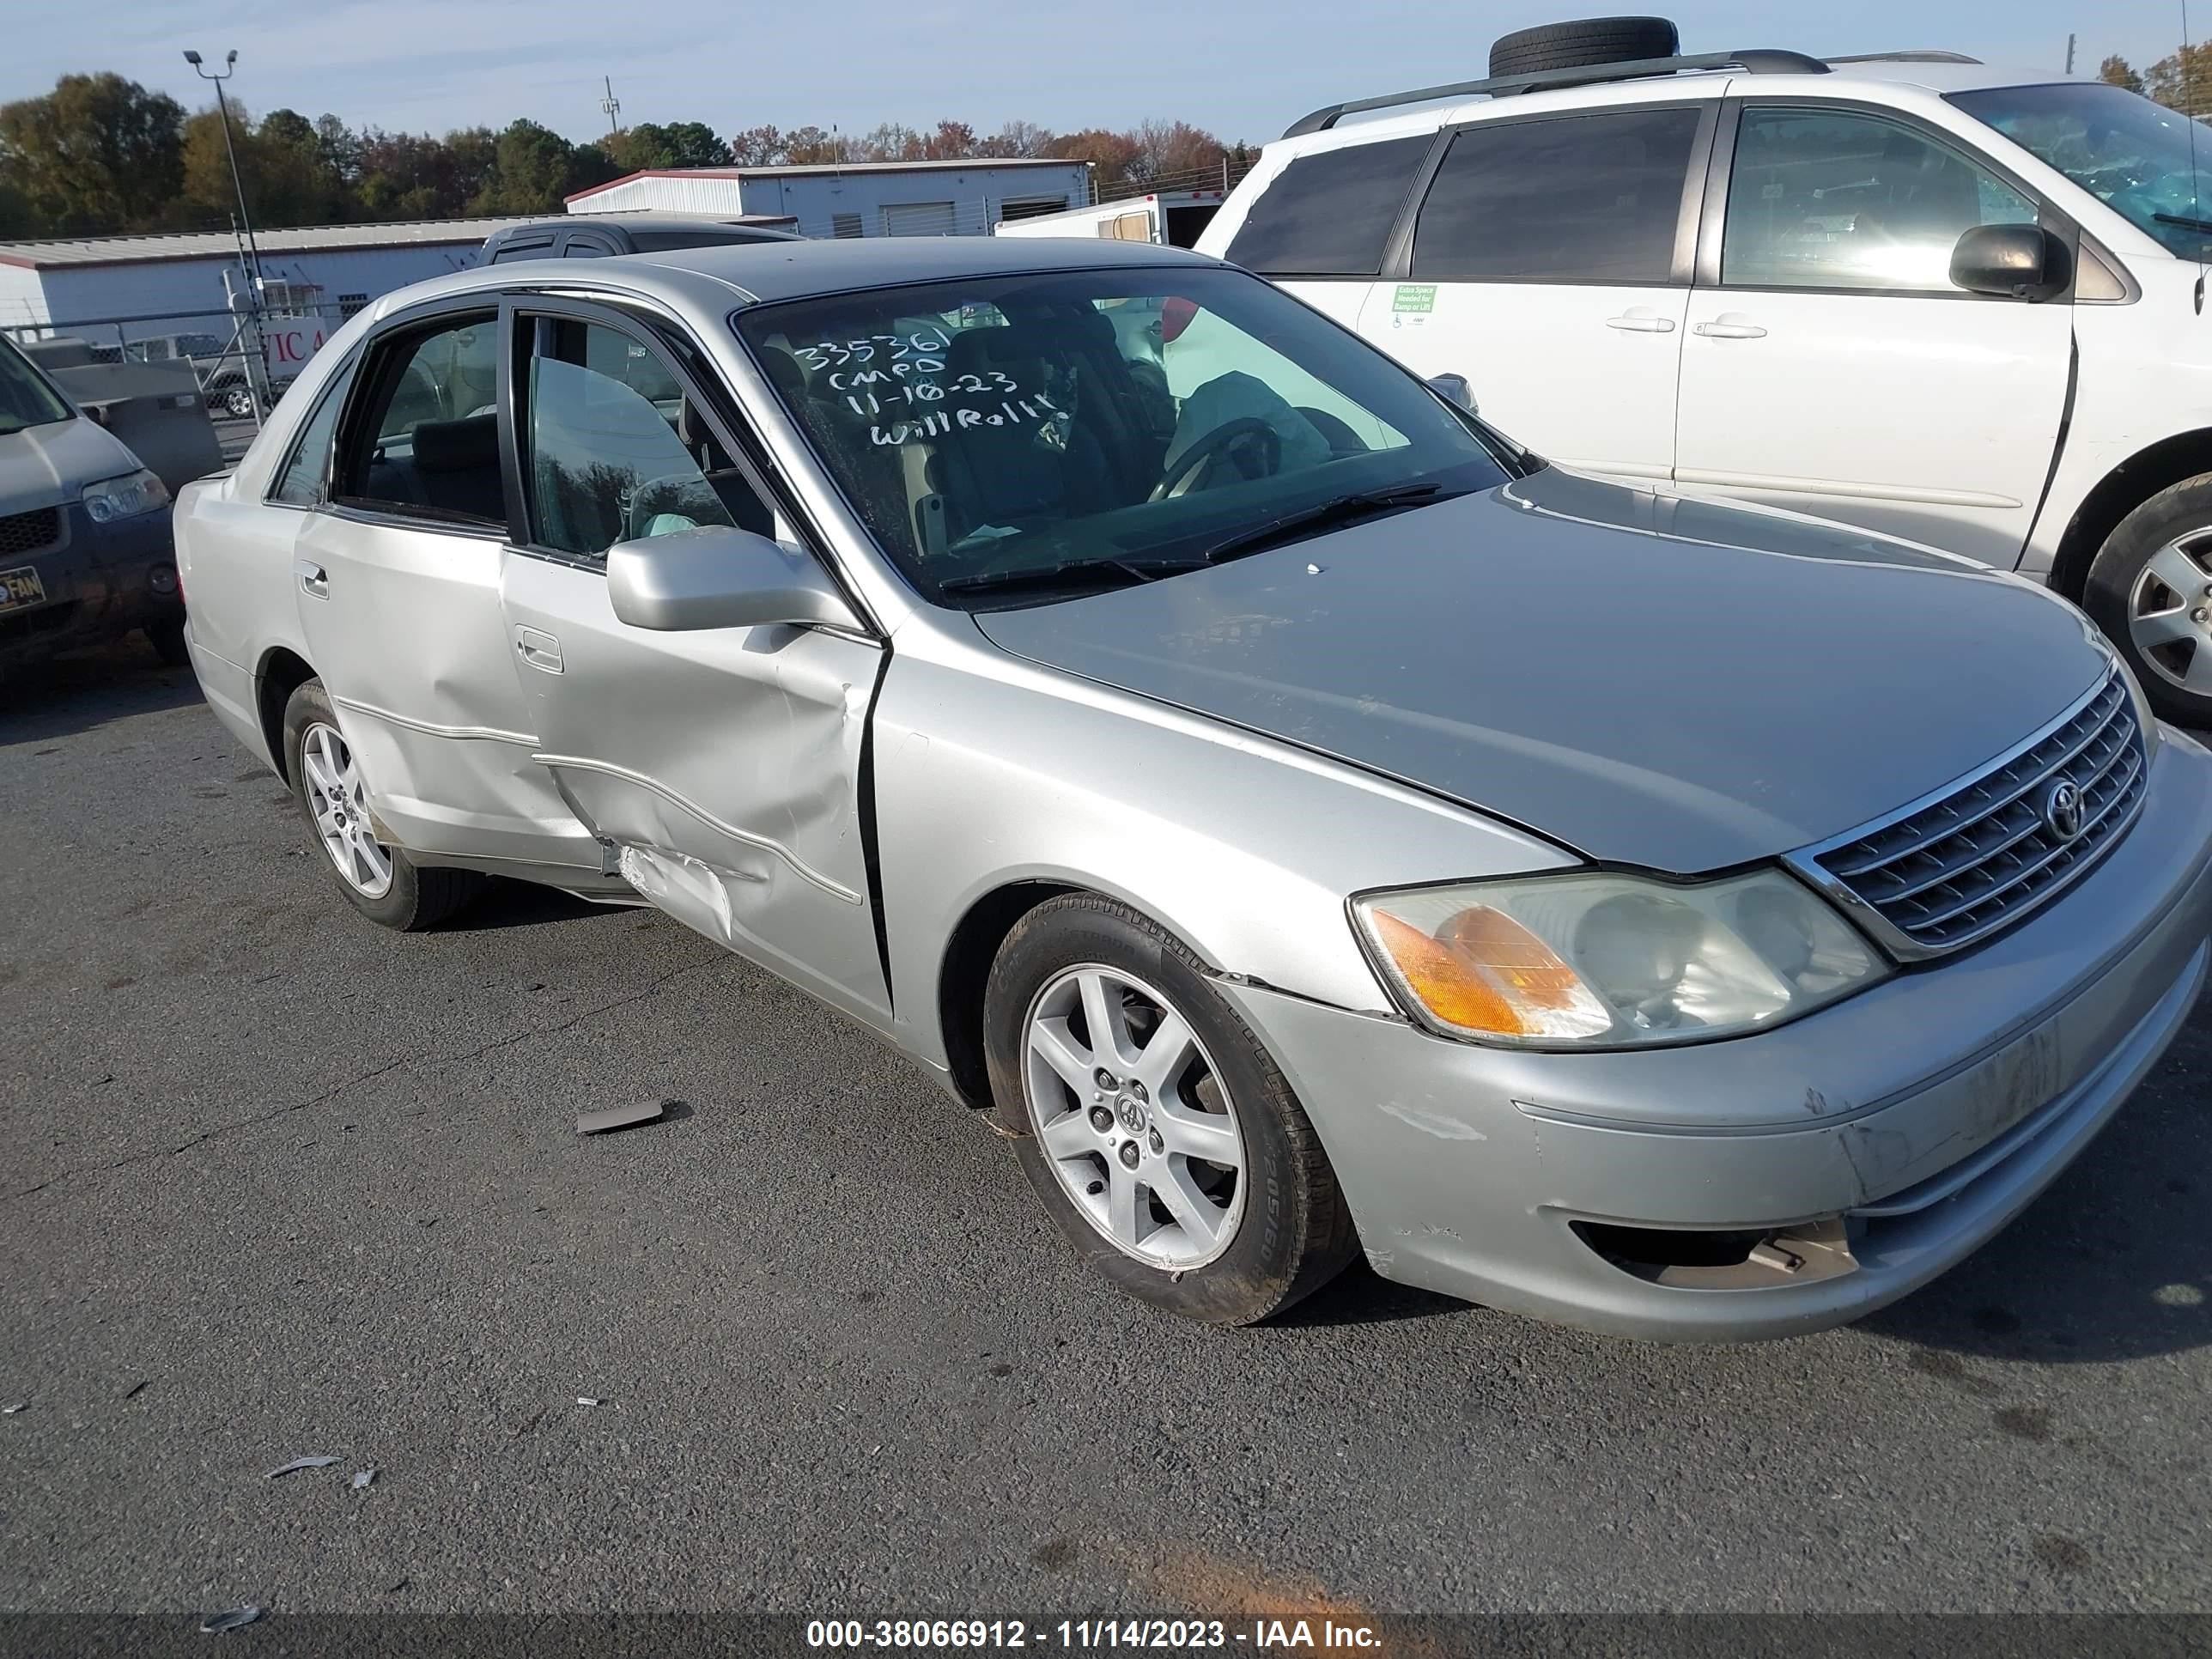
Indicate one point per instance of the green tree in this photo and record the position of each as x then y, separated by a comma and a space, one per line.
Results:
2116, 71
98, 152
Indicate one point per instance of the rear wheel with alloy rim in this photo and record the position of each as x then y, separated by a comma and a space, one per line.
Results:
1156, 1128
379, 881
2150, 590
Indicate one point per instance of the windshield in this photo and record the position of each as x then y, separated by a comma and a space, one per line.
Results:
26, 399
2134, 156
1013, 438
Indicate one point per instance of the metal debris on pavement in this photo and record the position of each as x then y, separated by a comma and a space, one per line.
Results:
620, 1117
317, 1461
9, 1411
586, 1399
217, 1622
364, 1478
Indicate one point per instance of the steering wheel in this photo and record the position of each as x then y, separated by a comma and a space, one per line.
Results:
1178, 478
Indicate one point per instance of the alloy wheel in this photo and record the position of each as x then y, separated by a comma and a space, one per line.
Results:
1133, 1117
2170, 612
340, 806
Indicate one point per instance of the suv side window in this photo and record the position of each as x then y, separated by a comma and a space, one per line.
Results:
1329, 214
300, 483
1580, 198
614, 452
428, 441
1828, 198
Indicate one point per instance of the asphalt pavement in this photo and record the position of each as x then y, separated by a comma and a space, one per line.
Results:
277, 1182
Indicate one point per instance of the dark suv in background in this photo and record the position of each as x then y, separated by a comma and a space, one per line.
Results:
601, 236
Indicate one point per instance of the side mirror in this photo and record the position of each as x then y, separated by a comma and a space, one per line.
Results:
2016, 262
1455, 390
718, 577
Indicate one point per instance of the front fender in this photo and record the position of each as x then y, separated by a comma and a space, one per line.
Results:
990, 771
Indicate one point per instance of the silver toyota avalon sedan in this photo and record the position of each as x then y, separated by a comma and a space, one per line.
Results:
1304, 821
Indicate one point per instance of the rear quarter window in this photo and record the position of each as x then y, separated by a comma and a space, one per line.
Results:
1329, 214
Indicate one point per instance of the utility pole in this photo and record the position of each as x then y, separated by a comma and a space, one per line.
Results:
2069, 54
611, 106
257, 370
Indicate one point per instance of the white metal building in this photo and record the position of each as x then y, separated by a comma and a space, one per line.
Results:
865, 198
143, 286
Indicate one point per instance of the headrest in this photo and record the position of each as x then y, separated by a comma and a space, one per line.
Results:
783, 372
468, 444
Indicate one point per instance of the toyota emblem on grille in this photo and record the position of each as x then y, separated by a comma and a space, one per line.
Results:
2062, 811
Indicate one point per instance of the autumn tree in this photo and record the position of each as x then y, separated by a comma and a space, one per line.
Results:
2116, 71
2184, 81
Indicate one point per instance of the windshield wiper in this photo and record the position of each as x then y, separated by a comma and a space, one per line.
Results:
1075, 573
1338, 509
2184, 221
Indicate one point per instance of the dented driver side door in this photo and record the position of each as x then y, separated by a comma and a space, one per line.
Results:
722, 766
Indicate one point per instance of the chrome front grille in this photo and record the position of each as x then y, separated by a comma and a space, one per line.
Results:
1947, 873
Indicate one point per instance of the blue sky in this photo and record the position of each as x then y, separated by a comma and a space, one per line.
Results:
1242, 68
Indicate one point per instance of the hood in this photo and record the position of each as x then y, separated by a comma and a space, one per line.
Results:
46, 465
1740, 685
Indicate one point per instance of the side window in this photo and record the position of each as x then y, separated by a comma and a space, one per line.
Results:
1583, 199
614, 451
428, 440
300, 483
1826, 198
1329, 214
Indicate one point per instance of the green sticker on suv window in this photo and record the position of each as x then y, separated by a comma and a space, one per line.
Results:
1415, 296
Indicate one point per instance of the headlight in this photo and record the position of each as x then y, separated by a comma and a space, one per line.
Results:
1610, 962
125, 497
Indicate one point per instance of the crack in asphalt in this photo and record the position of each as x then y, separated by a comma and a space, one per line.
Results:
336, 1090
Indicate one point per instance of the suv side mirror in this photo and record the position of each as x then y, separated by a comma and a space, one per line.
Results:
715, 576
1455, 390
2016, 262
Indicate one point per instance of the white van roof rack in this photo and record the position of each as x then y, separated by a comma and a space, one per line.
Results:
1761, 61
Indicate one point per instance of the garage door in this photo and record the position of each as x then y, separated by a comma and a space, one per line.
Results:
917, 218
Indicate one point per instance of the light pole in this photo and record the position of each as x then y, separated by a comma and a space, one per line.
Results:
255, 371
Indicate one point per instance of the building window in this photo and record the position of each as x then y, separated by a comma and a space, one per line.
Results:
845, 224
350, 303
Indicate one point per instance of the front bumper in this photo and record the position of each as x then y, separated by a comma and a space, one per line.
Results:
1911, 1122
100, 579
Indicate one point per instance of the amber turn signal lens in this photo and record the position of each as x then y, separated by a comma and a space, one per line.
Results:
1483, 971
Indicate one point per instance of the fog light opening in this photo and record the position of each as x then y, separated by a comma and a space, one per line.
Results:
1723, 1260
162, 579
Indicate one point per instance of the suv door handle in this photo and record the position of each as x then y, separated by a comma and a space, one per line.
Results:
314, 580
540, 650
1730, 325
1642, 319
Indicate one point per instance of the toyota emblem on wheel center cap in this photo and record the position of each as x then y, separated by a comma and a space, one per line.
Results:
1132, 1115
2062, 809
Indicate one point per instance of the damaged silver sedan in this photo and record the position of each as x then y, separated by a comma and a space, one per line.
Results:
1305, 822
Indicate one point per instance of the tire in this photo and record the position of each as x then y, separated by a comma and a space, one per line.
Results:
1273, 1226
1590, 40
2150, 590
403, 896
167, 639
237, 402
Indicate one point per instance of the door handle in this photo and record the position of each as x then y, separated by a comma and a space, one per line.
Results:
314, 580
1730, 325
540, 650
1642, 325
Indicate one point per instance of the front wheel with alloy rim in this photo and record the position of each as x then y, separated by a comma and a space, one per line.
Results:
379, 881
1156, 1128
2150, 590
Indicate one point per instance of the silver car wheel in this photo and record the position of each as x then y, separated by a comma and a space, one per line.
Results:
2170, 612
1133, 1117
336, 798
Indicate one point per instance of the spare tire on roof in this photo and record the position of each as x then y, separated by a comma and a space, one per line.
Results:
1577, 44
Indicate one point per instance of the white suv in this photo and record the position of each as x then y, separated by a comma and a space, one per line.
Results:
1913, 293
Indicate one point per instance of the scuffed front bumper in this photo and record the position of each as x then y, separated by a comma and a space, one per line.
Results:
100, 579
1911, 1122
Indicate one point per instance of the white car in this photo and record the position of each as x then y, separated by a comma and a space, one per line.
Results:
1957, 305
